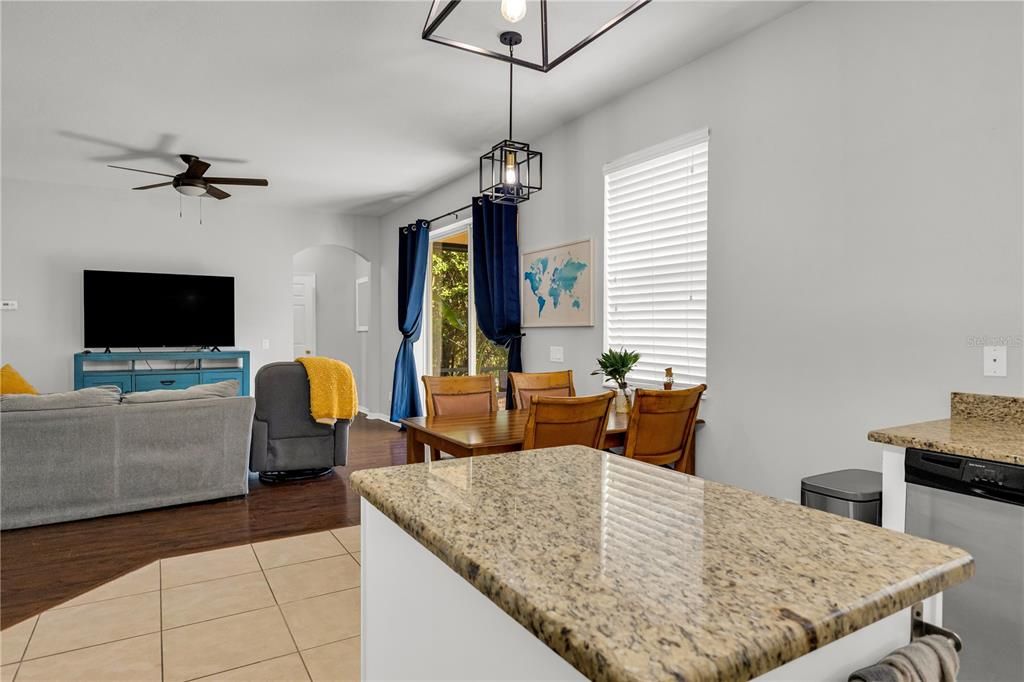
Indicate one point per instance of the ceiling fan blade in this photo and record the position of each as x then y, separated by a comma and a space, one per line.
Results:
159, 184
138, 170
216, 192
258, 182
196, 168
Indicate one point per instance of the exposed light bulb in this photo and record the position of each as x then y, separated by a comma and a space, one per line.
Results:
511, 170
513, 10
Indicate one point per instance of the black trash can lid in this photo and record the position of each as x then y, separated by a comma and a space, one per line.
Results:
853, 485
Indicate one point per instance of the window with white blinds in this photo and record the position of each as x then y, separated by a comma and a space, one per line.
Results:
656, 259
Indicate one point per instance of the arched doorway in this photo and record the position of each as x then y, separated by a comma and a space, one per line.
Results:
331, 299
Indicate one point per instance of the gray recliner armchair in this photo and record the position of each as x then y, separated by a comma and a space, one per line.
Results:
286, 443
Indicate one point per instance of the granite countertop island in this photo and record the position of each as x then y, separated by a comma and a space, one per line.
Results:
631, 572
988, 427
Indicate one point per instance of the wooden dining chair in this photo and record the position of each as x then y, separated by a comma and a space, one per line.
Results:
567, 421
661, 427
459, 396
525, 385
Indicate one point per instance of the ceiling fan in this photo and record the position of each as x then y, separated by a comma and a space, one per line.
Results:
193, 181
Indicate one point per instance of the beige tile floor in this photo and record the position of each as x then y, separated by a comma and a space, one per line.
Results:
280, 610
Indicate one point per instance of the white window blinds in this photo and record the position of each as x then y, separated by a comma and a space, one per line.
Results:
656, 259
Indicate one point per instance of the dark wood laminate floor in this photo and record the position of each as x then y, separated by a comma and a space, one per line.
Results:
48, 565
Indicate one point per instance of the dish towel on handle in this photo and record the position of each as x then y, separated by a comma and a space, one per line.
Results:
928, 659
332, 389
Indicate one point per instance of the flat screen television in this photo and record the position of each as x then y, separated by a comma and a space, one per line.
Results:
152, 310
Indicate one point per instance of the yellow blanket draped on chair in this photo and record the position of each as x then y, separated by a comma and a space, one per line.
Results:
332, 389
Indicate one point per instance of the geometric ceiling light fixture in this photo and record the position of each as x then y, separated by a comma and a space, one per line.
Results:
514, 11
510, 172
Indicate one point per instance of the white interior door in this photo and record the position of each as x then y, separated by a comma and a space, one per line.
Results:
304, 313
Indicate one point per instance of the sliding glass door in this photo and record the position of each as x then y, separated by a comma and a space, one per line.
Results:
450, 321
455, 344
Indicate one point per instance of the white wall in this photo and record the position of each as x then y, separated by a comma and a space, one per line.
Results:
50, 233
336, 269
865, 220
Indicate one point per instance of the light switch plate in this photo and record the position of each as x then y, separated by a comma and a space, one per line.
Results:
8, 305
266, 344
994, 361
557, 354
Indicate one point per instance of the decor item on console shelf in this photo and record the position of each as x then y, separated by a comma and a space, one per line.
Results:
616, 365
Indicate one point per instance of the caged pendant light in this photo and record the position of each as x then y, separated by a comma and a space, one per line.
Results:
510, 172
514, 11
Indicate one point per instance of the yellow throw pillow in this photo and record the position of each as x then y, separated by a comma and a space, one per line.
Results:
12, 382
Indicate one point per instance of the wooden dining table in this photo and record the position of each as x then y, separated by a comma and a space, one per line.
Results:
496, 432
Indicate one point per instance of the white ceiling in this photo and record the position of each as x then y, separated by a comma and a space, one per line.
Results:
340, 104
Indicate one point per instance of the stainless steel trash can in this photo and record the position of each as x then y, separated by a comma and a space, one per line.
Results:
853, 493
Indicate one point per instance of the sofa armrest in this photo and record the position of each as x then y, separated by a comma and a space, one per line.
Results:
341, 442
258, 458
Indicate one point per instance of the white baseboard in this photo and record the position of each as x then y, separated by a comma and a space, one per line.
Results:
378, 416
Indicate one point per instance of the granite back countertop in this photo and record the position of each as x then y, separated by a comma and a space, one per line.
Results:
987, 427
633, 572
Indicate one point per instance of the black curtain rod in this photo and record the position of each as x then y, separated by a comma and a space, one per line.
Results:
460, 209
450, 213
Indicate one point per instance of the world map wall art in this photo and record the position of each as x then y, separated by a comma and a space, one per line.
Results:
558, 286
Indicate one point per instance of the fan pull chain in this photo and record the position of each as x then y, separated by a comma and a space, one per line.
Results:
179, 207
200, 210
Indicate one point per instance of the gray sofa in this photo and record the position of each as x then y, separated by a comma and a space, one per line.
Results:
65, 464
286, 443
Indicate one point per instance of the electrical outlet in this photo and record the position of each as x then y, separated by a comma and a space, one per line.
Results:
994, 358
8, 305
266, 344
557, 354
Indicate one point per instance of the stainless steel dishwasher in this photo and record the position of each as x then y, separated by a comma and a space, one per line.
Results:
976, 505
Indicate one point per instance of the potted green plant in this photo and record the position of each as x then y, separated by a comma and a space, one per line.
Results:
616, 365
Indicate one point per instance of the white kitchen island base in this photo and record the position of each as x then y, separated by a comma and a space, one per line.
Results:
423, 621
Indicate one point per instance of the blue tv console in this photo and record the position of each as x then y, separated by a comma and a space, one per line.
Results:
133, 374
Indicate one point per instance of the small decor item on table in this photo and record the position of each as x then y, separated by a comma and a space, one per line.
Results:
616, 365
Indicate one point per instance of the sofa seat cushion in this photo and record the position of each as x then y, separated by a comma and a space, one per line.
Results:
99, 396
221, 389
